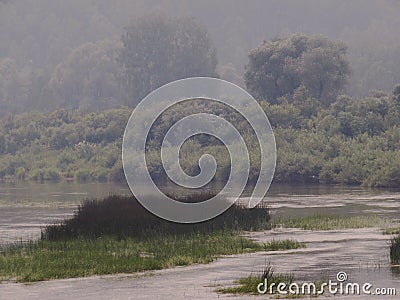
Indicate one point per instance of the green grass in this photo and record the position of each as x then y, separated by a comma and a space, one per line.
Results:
283, 245
43, 260
322, 222
248, 285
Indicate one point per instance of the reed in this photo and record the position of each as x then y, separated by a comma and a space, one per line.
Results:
330, 222
123, 216
248, 285
395, 250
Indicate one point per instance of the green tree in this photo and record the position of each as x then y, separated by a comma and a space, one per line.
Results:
282, 67
88, 77
157, 50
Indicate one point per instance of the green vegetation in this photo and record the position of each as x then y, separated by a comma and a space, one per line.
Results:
44, 260
322, 136
299, 65
349, 142
125, 217
248, 285
181, 48
318, 222
283, 245
395, 250
63, 145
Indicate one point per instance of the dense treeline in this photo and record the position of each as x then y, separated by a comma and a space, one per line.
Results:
348, 142
65, 144
351, 142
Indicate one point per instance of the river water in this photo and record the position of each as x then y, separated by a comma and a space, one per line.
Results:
361, 253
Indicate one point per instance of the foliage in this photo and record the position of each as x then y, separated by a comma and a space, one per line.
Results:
157, 50
63, 144
283, 67
88, 78
353, 142
31, 51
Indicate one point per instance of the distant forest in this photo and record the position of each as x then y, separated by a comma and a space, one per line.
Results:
64, 54
326, 73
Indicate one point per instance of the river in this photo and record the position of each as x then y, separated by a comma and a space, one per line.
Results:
361, 253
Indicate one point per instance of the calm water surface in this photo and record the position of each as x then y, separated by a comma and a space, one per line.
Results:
26, 207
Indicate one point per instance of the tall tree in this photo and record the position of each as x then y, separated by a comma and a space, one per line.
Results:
157, 50
280, 67
88, 77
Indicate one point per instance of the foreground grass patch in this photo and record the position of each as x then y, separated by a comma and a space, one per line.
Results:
44, 260
75, 258
268, 282
321, 222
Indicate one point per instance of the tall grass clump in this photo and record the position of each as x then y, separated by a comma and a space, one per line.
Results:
283, 245
123, 216
248, 285
395, 250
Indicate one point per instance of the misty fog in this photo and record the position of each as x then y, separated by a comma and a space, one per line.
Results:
41, 39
